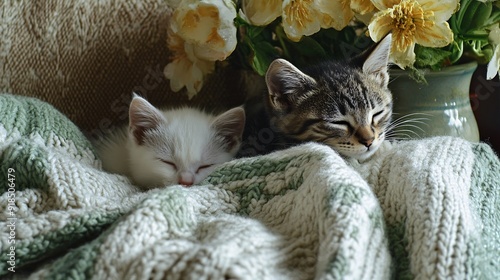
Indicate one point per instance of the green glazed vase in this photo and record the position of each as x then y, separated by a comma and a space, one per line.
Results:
440, 107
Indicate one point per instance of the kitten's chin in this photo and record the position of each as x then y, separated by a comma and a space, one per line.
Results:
362, 155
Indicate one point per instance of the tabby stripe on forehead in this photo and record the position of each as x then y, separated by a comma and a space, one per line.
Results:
348, 100
341, 108
305, 126
367, 97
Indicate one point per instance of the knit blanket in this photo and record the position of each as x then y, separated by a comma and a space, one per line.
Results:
422, 209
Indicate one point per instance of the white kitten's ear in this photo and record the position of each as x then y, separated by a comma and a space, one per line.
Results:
230, 125
286, 84
143, 117
378, 60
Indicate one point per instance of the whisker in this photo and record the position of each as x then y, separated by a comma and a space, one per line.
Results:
399, 138
403, 119
407, 126
404, 132
411, 114
409, 118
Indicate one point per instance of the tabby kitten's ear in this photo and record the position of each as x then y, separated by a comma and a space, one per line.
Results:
376, 63
286, 84
230, 125
143, 117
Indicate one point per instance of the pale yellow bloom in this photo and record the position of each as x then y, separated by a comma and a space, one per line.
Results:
186, 69
299, 17
412, 22
261, 12
207, 25
494, 64
362, 7
306, 17
335, 13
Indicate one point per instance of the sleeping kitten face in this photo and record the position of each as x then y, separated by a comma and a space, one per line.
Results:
347, 107
179, 146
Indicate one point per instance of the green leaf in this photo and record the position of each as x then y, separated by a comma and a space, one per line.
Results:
495, 15
430, 57
460, 14
263, 54
481, 17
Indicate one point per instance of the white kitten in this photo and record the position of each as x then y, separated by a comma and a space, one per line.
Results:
168, 147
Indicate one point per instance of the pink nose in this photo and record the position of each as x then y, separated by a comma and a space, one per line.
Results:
186, 179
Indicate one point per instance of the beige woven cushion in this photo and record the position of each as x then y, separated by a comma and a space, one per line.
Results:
87, 57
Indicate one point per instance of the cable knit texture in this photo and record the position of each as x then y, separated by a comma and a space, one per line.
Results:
426, 209
87, 57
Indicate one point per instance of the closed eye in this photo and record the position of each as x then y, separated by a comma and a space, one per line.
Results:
169, 163
346, 124
376, 115
204, 167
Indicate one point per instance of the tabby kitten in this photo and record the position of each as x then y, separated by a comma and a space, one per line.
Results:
168, 147
345, 105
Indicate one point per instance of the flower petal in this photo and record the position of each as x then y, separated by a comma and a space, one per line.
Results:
380, 25
208, 23
195, 82
261, 12
362, 6
442, 9
494, 35
171, 73
384, 4
403, 58
494, 64
185, 69
411, 22
300, 18
335, 13
438, 35
185, 73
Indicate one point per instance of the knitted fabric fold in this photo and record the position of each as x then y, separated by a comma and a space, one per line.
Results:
423, 209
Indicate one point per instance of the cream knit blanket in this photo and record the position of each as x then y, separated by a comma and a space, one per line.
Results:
426, 209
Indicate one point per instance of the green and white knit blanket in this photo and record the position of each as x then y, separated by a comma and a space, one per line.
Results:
426, 209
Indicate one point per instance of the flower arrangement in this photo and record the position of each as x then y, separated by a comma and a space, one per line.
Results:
249, 34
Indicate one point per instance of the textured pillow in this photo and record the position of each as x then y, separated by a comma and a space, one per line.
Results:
86, 58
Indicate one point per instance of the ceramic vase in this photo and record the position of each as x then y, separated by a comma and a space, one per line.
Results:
436, 108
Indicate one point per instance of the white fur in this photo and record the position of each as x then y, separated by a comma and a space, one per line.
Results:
190, 132
185, 137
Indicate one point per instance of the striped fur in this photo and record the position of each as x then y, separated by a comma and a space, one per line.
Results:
344, 105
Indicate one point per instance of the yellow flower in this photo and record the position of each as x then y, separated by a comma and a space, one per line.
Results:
261, 12
200, 32
335, 13
362, 7
412, 22
299, 17
207, 25
494, 64
186, 69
